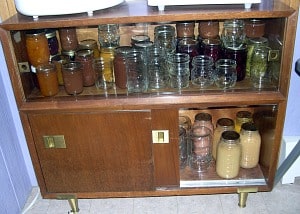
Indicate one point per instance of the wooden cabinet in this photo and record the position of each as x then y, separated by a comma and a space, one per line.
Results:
100, 144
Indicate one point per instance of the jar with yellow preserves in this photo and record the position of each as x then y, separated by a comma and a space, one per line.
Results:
37, 47
228, 155
250, 142
241, 118
47, 78
107, 54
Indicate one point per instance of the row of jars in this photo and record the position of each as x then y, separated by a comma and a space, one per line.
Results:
231, 144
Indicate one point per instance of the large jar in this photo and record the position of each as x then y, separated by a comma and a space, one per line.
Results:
179, 70
223, 124
204, 119
250, 142
182, 147
37, 47
68, 39
47, 78
52, 41
228, 155
119, 62
241, 118
85, 57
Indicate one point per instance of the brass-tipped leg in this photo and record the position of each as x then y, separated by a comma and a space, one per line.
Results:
74, 205
243, 194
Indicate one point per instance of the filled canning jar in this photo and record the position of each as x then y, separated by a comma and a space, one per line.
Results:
73, 79
85, 57
47, 78
68, 38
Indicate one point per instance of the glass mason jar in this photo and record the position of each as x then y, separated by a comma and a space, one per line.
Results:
73, 78
240, 56
202, 72
108, 57
164, 38
208, 29
119, 63
253, 43
182, 147
179, 70
85, 57
99, 69
185, 29
250, 142
68, 39
137, 77
189, 46
185, 122
204, 119
233, 35
156, 68
37, 47
52, 41
225, 73
242, 117
254, 28
90, 44
59, 60
212, 48
201, 148
47, 78
228, 155
223, 124
109, 35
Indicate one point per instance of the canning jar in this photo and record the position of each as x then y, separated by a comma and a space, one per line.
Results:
107, 54
250, 142
85, 57
119, 63
223, 124
233, 35
185, 29
208, 29
73, 79
59, 60
255, 28
212, 48
225, 73
204, 119
68, 39
179, 70
182, 147
47, 78
164, 38
202, 71
109, 35
228, 155
90, 44
242, 117
37, 47
52, 41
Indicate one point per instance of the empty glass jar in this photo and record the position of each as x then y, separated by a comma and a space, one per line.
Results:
202, 71
109, 35
225, 73
179, 71
233, 35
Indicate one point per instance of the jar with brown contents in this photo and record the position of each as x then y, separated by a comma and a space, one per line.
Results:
85, 57
208, 29
68, 39
73, 79
119, 63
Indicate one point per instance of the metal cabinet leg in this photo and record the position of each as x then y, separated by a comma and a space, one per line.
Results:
243, 194
73, 202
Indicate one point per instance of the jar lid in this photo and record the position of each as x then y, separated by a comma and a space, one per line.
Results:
87, 44
249, 126
70, 53
122, 50
60, 58
244, 114
230, 136
50, 33
84, 52
36, 32
212, 42
225, 122
258, 41
45, 67
203, 117
139, 38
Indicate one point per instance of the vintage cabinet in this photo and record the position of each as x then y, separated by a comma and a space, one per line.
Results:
100, 144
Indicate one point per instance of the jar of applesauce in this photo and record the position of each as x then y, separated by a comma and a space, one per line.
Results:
37, 47
47, 78
250, 142
228, 155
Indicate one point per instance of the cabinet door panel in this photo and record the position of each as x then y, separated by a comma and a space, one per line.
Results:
108, 151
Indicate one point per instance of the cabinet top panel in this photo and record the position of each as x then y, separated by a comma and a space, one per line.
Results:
137, 11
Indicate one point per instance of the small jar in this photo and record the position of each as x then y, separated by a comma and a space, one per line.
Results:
240, 56
73, 78
212, 48
47, 78
233, 35
204, 119
250, 142
85, 57
202, 71
59, 60
52, 41
228, 155
208, 29
37, 47
241, 118
68, 39
164, 38
185, 29
223, 124
70, 54
255, 28
225, 73
109, 35
90, 44
201, 148
119, 62
179, 70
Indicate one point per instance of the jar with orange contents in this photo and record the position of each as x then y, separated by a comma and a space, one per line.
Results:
108, 56
37, 47
47, 78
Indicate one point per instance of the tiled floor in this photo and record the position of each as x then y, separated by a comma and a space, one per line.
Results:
284, 199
